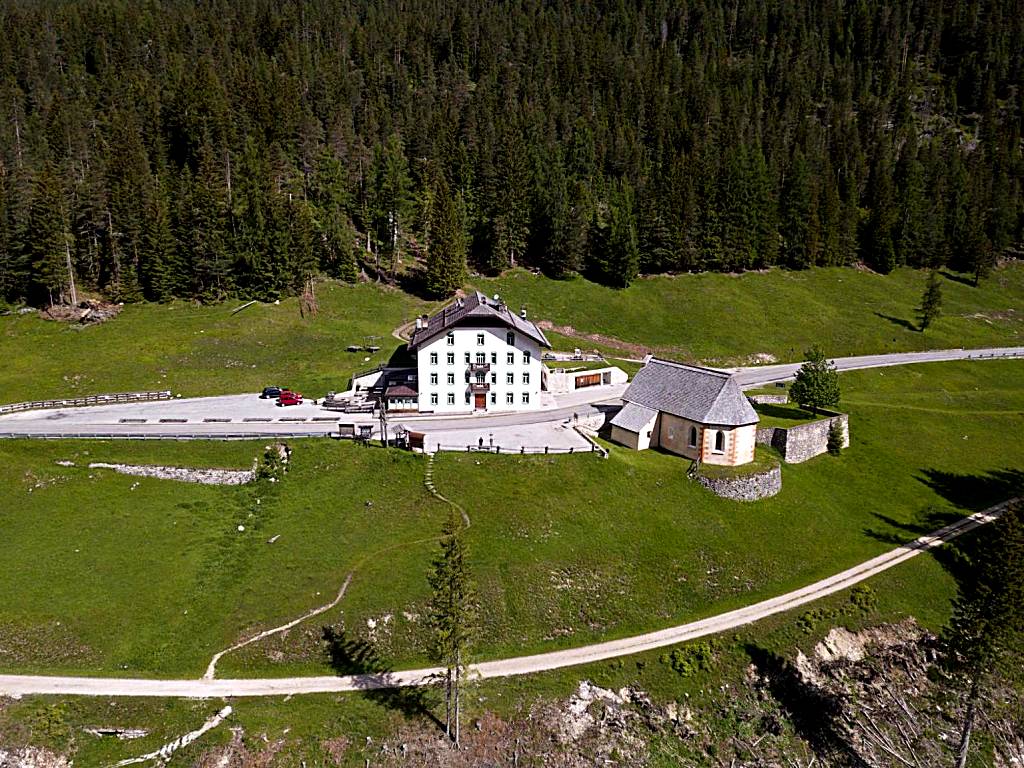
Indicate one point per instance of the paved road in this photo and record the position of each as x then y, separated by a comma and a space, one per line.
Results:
766, 374
521, 665
247, 416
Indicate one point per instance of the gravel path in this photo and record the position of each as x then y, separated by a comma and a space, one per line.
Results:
16, 685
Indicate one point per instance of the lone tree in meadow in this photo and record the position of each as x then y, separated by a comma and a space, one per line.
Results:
452, 615
985, 637
931, 302
817, 382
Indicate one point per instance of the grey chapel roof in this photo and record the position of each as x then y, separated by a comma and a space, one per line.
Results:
478, 306
703, 395
633, 417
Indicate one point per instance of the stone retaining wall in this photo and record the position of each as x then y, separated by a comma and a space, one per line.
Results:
804, 441
768, 399
761, 485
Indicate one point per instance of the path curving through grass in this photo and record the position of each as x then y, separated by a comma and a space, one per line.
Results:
17, 685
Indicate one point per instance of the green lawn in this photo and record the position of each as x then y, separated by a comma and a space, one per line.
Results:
204, 350
566, 550
720, 319
783, 415
727, 319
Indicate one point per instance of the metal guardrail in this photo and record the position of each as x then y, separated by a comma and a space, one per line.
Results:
74, 402
520, 451
156, 436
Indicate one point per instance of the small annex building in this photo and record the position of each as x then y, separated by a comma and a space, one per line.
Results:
699, 413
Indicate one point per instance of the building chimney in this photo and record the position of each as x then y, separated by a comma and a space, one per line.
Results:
522, 311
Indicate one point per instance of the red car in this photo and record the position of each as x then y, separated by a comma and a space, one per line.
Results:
289, 398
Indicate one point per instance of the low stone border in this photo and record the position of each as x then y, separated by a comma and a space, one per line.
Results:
182, 474
759, 485
769, 399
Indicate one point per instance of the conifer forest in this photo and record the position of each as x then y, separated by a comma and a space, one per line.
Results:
239, 148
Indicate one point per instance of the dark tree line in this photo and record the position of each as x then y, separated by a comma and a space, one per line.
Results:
167, 148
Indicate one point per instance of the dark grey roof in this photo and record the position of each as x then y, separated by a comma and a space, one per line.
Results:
475, 306
703, 395
633, 417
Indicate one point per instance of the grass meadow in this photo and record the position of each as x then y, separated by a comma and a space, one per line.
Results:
565, 550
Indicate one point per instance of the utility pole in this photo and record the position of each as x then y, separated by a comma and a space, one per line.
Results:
384, 421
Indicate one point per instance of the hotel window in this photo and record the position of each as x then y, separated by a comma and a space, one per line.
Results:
494, 378
433, 398
526, 378
510, 378
481, 358
433, 378
451, 339
451, 398
467, 398
526, 398
479, 339
451, 358
467, 358
510, 398
433, 358
494, 358
511, 339
451, 378
494, 398
526, 358
510, 358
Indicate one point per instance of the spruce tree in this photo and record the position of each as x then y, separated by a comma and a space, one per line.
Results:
46, 247
985, 636
452, 616
931, 302
797, 215
446, 257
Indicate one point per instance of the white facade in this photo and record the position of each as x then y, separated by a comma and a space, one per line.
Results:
475, 368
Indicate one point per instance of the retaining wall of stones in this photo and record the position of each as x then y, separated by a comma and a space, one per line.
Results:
804, 441
768, 399
761, 485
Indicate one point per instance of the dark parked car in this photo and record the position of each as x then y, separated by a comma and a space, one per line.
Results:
270, 393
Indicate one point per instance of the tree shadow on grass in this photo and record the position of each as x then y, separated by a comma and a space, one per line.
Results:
815, 715
901, 322
958, 278
975, 492
966, 492
355, 657
789, 413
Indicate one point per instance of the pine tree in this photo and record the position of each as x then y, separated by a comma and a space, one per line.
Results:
817, 382
880, 249
931, 302
452, 617
985, 636
446, 258
391, 198
797, 215
47, 246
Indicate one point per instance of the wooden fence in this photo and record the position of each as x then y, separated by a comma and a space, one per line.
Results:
117, 397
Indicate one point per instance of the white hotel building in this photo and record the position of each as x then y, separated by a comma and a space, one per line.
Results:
477, 355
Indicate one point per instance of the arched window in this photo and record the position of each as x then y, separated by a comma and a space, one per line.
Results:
693, 437
719, 440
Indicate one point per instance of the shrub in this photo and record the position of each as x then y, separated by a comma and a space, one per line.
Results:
835, 437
